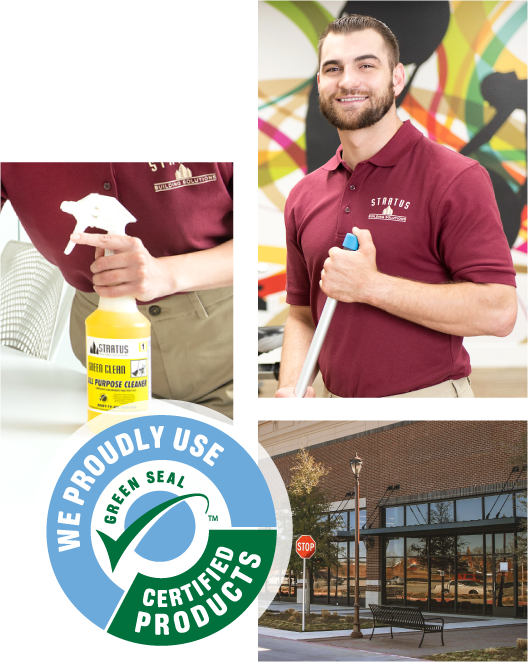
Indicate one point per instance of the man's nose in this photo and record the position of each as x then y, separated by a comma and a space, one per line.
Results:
350, 78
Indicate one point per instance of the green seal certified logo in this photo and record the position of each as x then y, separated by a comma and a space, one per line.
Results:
161, 530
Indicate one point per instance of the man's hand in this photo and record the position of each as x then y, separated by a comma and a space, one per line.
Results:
350, 275
459, 309
131, 271
289, 392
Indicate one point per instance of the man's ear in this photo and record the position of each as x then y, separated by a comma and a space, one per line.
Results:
398, 79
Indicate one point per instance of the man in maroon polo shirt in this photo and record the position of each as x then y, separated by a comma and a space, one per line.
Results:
177, 260
433, 263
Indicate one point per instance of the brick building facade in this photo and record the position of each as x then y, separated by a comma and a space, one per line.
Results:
445, 471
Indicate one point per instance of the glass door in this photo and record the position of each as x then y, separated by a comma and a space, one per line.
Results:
503, 586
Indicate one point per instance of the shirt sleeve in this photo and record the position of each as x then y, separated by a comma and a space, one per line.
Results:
243, 188
297, 276
471, 240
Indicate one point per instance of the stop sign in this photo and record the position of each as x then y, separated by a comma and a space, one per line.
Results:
305, 547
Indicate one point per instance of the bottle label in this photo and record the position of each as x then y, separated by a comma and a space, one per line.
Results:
118, 373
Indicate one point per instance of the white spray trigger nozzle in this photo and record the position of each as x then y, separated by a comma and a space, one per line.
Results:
97, 211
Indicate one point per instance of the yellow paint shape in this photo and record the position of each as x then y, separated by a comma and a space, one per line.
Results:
272, 254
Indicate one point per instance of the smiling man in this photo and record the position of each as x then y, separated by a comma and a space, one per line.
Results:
433, 263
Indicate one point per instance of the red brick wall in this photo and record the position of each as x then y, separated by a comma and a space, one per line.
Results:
422, 457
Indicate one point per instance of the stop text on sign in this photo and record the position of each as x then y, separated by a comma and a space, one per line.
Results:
305, 547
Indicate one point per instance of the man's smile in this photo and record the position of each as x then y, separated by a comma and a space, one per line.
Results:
352, 99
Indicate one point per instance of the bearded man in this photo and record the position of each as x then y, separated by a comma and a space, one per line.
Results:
433, 263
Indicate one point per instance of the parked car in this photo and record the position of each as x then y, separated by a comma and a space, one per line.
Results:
395, 580
466, 587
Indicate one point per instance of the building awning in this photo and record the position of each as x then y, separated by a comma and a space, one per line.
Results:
476, 526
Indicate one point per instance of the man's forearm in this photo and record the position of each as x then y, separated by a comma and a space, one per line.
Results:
202, 270
298, 334
460, 309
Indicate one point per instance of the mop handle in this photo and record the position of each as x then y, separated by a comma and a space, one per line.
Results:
350, 243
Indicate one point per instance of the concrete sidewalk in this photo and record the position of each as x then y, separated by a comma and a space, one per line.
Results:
406, 644
460, 633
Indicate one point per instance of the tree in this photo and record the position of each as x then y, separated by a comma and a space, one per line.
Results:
309, 505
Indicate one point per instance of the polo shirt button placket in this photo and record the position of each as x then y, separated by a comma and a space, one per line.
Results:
107, 186
154, 310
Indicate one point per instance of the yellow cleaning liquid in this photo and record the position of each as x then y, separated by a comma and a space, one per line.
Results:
118, 358
117, 334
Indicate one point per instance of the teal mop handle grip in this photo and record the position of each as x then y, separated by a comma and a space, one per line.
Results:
350, 243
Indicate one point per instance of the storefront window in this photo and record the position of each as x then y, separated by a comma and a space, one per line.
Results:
362, 581
416, 546
468, 509
470, 544
338, 581
442, 545
504, 587
362, 518
498, 506
417, 582
520, 504
522, 587
416, 514
504, 543
394, 580
442, 511
394, 516
394, 547
442, 584
470, 585
320, 583
362, 550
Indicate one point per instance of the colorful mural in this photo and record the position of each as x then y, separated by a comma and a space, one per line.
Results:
466, 72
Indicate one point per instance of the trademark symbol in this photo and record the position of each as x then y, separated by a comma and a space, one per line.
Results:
213, 518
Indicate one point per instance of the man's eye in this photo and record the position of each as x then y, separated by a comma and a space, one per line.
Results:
367, 65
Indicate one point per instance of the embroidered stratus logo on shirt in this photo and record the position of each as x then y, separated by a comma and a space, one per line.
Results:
183, 177
388, 212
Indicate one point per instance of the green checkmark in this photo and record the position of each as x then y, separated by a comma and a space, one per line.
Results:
116, 548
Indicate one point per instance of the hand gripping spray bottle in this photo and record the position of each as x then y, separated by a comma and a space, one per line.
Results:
117, 334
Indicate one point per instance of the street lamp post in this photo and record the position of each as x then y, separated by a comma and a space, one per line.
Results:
355, 465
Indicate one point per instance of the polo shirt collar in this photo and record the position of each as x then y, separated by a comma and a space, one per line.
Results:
389, 155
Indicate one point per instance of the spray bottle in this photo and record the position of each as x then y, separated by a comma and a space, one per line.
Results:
117, 334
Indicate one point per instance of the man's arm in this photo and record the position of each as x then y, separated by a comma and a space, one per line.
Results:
298, 334
132, 271
460, 309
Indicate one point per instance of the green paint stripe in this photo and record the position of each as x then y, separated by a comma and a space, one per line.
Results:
310, 81
310, 17
297, 16
499, 42
485, 65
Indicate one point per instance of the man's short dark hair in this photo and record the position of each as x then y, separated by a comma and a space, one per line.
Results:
357, 23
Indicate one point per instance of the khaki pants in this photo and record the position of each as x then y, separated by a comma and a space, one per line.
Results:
460, 388
192, 345
450, 391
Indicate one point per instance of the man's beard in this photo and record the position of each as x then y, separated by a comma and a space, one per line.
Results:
354, 119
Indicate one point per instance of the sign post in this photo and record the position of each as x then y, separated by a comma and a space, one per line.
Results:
305, 547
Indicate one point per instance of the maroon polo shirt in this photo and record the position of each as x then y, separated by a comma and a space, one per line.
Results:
174, 215
433, 218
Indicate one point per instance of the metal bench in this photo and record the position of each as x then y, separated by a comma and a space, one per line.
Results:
405, 617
